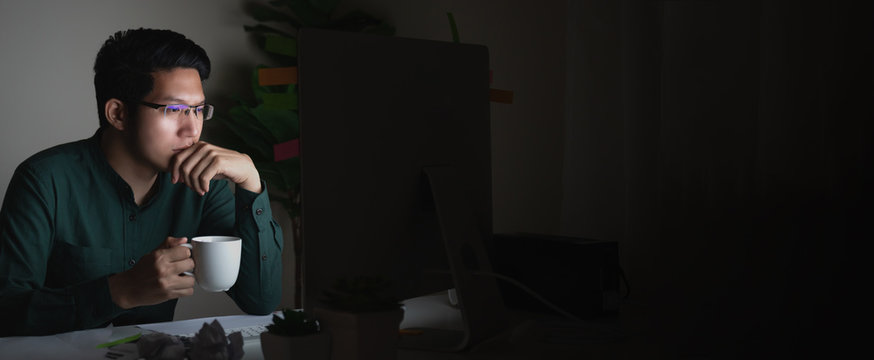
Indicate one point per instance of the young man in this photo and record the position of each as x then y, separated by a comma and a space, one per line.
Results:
90, 230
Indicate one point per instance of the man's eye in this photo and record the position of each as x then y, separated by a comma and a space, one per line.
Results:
175, 108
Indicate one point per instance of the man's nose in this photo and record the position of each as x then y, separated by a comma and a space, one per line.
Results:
190, 123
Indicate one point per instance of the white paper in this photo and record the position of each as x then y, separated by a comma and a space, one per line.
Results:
185, 327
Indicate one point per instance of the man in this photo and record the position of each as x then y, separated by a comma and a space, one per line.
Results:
90, 230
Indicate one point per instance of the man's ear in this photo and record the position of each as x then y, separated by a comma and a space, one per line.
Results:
116, 113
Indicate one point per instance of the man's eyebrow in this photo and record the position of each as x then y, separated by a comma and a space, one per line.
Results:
174, 100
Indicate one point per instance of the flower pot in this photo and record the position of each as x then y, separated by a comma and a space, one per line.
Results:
361, 336
276, 347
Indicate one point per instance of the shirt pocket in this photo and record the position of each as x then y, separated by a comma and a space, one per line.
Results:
74, 264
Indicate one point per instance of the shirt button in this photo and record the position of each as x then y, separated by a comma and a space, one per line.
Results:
259, 212
264, 257
131, 262
132, 217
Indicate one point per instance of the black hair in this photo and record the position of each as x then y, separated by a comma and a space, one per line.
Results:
125, 63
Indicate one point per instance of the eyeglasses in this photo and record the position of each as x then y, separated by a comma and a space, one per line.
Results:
175, 111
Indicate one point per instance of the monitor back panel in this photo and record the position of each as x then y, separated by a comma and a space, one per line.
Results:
374, 112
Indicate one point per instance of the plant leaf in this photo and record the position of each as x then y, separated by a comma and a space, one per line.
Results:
281, 101
306, 13
271, 174
279, 122
264, 13
358, 21
262, 29
244, 125
281, 45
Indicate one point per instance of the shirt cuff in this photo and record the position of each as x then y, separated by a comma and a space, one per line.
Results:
255, 205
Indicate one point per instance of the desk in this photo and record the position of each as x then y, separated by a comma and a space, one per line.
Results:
533, 337
83, 344
526, 341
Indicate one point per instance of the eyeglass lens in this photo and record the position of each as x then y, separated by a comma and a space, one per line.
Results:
203, 112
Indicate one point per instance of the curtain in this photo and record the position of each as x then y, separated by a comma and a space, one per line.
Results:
728, 147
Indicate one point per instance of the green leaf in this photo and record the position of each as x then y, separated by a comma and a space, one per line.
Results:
265, 13
261, 29
358, 21
290, 172
278, 122
220, 133
282, 176
271, 174
287, 100
282, 45
247, 127
323, 7
308, 14
453, 27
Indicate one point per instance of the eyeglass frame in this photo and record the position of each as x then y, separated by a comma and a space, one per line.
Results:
188, 109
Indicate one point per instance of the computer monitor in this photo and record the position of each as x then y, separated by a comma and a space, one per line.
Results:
396, 170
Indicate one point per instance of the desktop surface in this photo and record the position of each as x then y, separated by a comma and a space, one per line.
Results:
533, 336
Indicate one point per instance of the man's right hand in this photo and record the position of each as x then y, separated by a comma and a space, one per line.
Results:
156, 277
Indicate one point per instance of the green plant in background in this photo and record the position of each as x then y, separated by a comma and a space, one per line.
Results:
262, 125
361, 294
293, 323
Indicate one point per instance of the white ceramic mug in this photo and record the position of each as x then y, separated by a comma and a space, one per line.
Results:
216, 261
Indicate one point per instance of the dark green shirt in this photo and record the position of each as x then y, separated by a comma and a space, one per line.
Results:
69, 221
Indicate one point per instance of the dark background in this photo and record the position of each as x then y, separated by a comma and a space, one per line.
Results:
727, 146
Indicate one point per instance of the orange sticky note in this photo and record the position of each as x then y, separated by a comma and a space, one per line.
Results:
277, 76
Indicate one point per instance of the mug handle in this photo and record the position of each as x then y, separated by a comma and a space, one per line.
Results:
188, 245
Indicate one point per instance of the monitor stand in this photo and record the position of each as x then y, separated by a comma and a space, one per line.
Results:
482, 310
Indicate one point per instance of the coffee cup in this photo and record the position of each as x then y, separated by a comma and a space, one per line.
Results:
216, 261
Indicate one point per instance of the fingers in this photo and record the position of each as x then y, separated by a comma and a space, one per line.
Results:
155, 277
182, 163
181, 266
171, 242
200, 163
204, 171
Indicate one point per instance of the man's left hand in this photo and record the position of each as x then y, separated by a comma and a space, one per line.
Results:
202, 162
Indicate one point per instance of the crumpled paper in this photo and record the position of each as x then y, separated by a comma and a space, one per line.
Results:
157, 346
209, 343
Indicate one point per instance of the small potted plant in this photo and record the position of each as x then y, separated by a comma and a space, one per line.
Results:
362, 320
295, 335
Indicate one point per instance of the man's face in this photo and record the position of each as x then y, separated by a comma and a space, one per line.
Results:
158, 138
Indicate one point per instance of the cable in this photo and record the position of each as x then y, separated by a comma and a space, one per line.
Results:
625, 280
530, 292
521, 286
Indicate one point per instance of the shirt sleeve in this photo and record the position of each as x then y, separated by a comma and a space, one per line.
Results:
258, 289
27, 306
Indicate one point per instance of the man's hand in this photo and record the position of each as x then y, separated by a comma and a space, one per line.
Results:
156, 277
202, 162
